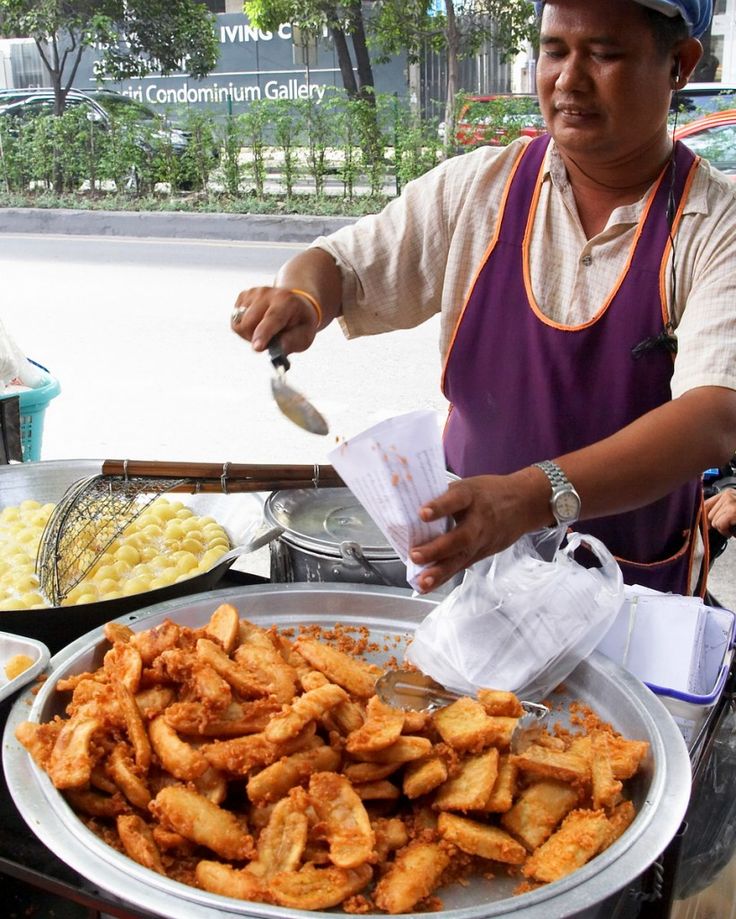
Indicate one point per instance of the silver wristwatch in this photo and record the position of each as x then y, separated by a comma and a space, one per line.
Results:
565, 501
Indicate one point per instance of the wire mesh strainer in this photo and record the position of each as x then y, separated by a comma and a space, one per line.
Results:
94, 511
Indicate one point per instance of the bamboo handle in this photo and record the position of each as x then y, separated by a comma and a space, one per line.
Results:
235, 476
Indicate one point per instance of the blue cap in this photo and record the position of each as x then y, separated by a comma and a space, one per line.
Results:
696, 13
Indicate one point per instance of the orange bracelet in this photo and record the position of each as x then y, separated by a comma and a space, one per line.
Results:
311, 300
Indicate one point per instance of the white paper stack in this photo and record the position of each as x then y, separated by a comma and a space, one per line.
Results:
660, 638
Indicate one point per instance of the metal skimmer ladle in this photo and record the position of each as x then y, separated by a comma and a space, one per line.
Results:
292, 404
410, 689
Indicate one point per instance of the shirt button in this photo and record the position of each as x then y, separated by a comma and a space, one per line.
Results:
587, 260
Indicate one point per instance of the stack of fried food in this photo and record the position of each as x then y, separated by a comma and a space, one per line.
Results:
260, 764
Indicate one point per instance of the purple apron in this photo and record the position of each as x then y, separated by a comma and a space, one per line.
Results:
523, 388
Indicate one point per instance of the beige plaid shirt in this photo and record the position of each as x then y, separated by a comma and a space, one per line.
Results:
420, 256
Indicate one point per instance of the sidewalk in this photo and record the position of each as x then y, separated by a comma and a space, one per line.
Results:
170, 224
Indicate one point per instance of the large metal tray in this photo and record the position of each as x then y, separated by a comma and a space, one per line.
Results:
660, 792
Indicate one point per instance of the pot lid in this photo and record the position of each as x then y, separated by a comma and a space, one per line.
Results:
325, 517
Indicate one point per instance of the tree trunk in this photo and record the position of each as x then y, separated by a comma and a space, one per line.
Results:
453, 47
362, 58
344, 62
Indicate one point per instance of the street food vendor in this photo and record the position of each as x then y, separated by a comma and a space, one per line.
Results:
586, 283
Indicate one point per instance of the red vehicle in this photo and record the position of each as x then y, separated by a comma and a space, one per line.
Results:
714, 138
497, 120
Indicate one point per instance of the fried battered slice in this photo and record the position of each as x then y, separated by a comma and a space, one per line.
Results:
137, 734
120, 768
343, 818
382, 728
502, 796
199, 820
154, 700
465, 726
275, 780
123, 663
391, 834
212, 784
500, 702
305, 708
117, 632
138, 841
369, 772
582, 835
404, 750
553, 764
378, 791
94, 804
481, 839
470, 787
240, 678
318, 888
538, 810
267, 666
356, 676
224, 627
619, 820
606, 789
240, 755
230, 882
423, 776
176, 756
153, 642
236, 719
282, 841
72, 760
414, 874
39, 739
625, 755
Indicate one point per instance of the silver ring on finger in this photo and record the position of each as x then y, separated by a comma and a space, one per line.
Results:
237, 314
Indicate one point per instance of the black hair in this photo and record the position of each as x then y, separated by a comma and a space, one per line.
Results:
668, 31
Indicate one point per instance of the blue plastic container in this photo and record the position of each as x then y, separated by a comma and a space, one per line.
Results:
33, 405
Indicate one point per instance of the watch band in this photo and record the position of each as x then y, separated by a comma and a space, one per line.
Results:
553, 472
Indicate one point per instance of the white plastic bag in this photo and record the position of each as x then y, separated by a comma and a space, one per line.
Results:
521, 620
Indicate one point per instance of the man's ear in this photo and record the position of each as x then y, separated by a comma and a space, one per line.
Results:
685, 57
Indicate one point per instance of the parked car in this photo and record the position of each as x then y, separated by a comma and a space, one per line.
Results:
698, 99
714, 138
496, 120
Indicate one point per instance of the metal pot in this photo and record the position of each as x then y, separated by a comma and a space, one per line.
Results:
388, 615
325, 534
59, 625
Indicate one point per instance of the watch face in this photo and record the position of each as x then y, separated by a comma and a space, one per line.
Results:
567, 505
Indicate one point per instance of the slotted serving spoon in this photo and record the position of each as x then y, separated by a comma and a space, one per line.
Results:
410, 689
292, 403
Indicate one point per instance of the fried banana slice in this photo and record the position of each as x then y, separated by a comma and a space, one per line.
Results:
71, 762
605, 788
282, 841
500, 702
240, 755
39, 739
414, 874
404, 750
346, 824
199, 820
391, 834
470, 787
176, 756
123, 663
275, 780
423, 776
240, 678
619, 820
305, 708
137, 734
93, 804
236, 719
263, 660
120, 768
481, 839
318, 888
582, 835
154, 700
465, 726
224, 627
378, 791
538, 810
230, 882
355, 676
553, 764
369, 772
153, 642
504, 791
382, 727
138, 842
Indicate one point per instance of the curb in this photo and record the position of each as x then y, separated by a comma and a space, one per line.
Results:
289, 228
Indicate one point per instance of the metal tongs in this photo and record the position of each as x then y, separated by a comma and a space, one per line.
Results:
292, 404
410, 689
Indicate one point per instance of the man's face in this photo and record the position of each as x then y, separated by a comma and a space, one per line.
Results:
604, 88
